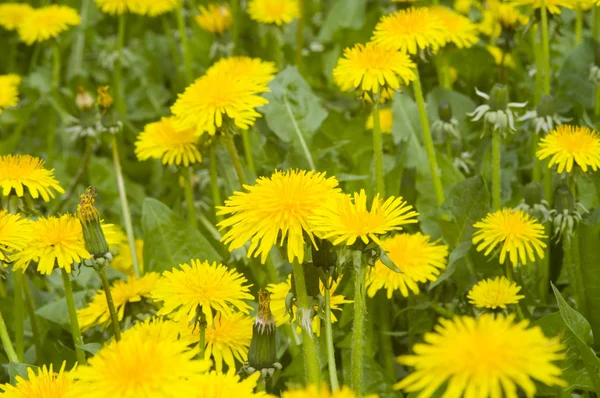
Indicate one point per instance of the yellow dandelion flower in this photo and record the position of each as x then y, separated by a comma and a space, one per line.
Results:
483, 358
44, 384
518, 233
553, 6
123, 260
169, 367
13, 14
227, 340
275, 208
216, 18
14, 235
508, 16
161, 140
386, 121
208, 286
47, 22
462, 6
584, 5
498, 56
114, 7
313, 392
54, 241
411, 30
123, 292
279, 12
218, 385
23, 172
347, 218
405, 1
489, 25
279, 292
9, 91
113, 234
419, 259
494, 293
372, 67
152, 8
459, 29
568, 145
254, 69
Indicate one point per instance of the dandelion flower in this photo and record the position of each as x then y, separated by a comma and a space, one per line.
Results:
501, 57
312, 392
226, 341
253, 69
508, 16
114, 7
411, 30
483, 358
553, 6
123, 292
152, 8
13, 14
201, 286
386, 121
419, 260
23, 172
276, 208
9, 90
518, 233
215, 18
372, 67
279, 12
119, 245
14, 234
161, 140
54, 241
463, 6
347, 219
43, 384
459, 29
47, 22
571, 144
218, 385
168, 365
494, 293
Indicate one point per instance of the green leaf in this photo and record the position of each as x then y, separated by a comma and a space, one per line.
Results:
92, 348
169, 240
589, 251
573, 76
349, 14
57, 311
19, 369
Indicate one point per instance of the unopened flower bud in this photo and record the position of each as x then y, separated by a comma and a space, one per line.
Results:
499, 98
445, 111
546, 106
262, 352
95, 242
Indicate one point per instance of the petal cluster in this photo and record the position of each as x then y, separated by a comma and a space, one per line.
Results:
569, 145
9, 90
25, 173
43, 383
13, 14
278, 12
494, 293
161, 140
47, 22
14, 235
215, 18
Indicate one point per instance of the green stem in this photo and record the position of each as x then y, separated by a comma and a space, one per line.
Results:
6, 342
189, 197
539, 64
548, 186
271, 270
305, 149
55, 85
19, 316
311, 358
385, 326
55, 66
496, 202
443, 66
333, 378
214, 179
545, 49
441, 310
449, 147
248, 150
81, 171
119, 99
187, 59
34, 57
358, 330
169, 36
569, 264
537, 165
125, 206
74, 322
201, 335
76, 64
300, 35
433, 167
578, 26
596, 24
235, 157
378, 148
235, 27
111, 304
35, 329
597, 102
576, 260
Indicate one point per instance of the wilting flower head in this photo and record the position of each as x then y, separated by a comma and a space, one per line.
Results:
219, 385
54, 241
460, 30
517, 232
14, 235
276, 209
494, 293
201, 287
9, 90
568, 145
347, 219
313, 392
47, 22
553, 6
386, 121
418, 259
483, 358
411, 30
215, 18
25, 173
45, 383
161, 140
123, 292
13, 14
279, 12
148, 361
372, 68
153, 8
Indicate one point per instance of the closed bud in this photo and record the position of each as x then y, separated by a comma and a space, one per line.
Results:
445, 111
83, 100
546, 106
262, 351
499, 98
95, 242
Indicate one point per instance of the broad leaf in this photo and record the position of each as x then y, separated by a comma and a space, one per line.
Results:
19, 369
57, 311
343, 14
589, 257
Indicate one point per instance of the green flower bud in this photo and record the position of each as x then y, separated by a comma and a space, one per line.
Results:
546, 106
95, 242
499, 98
445, 111
262, 352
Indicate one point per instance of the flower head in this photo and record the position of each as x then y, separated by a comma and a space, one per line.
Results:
418, 259
313, 392
123, 292
553, 6
9, 90
501, 57
153, 8
14, 235
201, 286
460, 30
348, 219
122, 257
43, 384
169, 367
161, 140
279, 12
517, 232
215, 18
483, 357
114, 7
54, 241
276, 208
494, 293
411, 30
568, 145
47, 22
25, 173
13, 14
252, 69
219, 385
